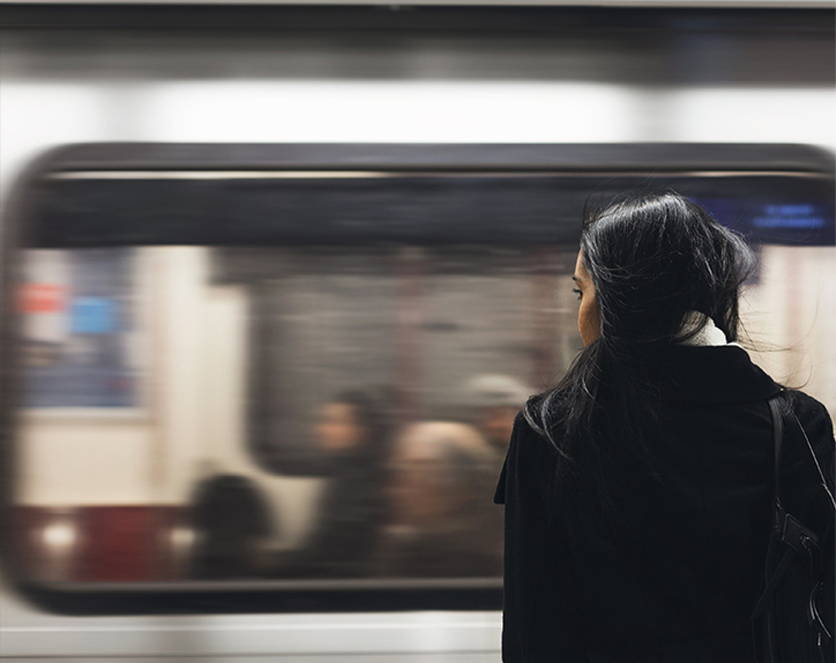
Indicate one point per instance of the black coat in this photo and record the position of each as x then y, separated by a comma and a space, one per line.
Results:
680, 583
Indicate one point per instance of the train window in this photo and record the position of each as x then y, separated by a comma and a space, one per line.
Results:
419, 328
260, 378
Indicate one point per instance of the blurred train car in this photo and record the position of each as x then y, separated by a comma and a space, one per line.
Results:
277, 278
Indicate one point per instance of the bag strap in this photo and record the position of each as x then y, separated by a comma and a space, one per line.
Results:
772, 582
778, 438
790, 531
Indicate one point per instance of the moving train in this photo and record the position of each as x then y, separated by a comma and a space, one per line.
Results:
275, 282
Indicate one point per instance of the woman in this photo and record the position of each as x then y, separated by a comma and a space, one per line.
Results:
638, 492
354, 433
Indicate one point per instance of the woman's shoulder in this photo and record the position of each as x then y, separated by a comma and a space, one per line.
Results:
530, 458
803, 404
532, 444
814, 421
528, 436
812, 415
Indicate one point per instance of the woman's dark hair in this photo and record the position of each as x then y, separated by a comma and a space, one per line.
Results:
652, 261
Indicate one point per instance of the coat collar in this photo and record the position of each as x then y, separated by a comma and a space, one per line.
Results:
713, 374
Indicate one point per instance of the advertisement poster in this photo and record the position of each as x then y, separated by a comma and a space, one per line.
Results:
78, 325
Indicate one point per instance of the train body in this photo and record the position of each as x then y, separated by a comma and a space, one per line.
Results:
226, 232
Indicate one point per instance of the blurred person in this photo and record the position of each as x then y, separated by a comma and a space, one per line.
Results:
497, 399
353, 430
441, 474
230, 518
639, 491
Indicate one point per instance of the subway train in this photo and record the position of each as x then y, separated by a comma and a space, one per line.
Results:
277, 279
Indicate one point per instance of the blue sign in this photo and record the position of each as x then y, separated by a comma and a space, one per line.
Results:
92, 315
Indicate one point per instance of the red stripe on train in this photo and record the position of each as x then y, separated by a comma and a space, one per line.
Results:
98, 543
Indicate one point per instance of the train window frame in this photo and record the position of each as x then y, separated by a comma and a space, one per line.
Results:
24, 226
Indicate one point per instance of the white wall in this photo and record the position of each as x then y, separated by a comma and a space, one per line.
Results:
790, 319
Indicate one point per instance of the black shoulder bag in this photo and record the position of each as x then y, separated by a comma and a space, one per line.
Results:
796, 607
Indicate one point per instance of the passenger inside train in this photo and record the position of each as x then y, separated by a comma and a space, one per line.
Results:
496, 401
354, 430
440, 474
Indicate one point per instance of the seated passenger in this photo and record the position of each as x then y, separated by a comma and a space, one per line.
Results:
497, 400
439, 527
230, 518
